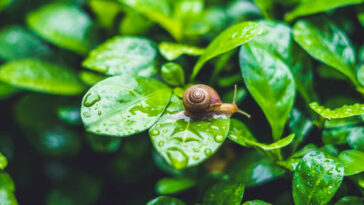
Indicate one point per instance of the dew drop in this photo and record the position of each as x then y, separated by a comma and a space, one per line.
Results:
154, 132
219, 138
99, 113
86, 114
161, 143
91, 99
208, 152
195, 157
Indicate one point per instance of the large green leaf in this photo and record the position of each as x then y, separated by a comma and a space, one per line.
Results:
64, 25
172, 51
353, 161
224, 193
123, 106
123, 56
265, 68
3, 162
240, 134
316, 179
327, 43
229, 39
309, 7
17, 42
174, 185
41, 76
165, 200
341, 112
184, 142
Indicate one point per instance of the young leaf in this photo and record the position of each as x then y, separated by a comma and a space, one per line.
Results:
309, 7
64, 25
353, 161
174, 185
17, 42
350, 200
172, 73
3, 162
327, 43
123, 56
256, 202
224, 193
41, 76
123, 106
240, 134
316, 179
229, 39
341, 112
165, 200
6, 182
172, 51
264, 66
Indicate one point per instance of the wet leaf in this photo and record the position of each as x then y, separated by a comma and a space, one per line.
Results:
62, 24
316, 179
224, 193
90, 78
123, 106
174, 185
3, 162
353, 161
6, 183
172, 51
256, 202
300, 125
173, 74
165, 200
266, 57
310, 7
184, 142
17, 42
7, 197
327, 43
123, 56
341, 112
240, 134
355, 138
350, 200
41, 76
229, 39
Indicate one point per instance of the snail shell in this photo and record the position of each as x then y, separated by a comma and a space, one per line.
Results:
199, 98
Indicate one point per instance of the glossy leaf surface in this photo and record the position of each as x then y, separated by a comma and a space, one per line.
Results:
265, 69
172, 73
174, 185
122, 106
350, 200
172, 51
316, 179
123, 56
64, 25
165, 200
224, 193
3, 162
41, 76
327, 43
229, 39
341, 112
353, 161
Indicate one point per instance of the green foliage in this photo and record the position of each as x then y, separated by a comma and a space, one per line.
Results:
3, 162
341, 112
163, 200
224, 193
256, 202
352, 161
174, 185
172, 73
172, 51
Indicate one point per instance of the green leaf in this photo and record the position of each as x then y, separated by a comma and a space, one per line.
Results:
253, 169
3, 162
174, 185
224, 193
256, 202
134, 23
4, 4
229, 39
309, 7
272, 89
165, 200
123, 106
64, 25
90, 78
105, 11
159, 12
316, 179
172, 51
103, 143
327, 43
36, 115
341, 112
7, 197
350, 200
300, 125
360, 75
355, 138
6, 183
123, 56
17, 42
70, 114
336, 136
240, 134
265, 6
41, 76
6, 90
353, 161
172, 73
184, 142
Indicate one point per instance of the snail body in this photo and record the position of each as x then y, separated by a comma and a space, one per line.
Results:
201, 101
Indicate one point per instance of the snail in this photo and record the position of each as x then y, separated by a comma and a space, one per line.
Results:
202, 100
